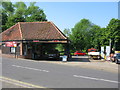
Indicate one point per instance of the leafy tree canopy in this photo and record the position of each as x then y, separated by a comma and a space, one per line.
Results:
19, 12
86, 35
79, 34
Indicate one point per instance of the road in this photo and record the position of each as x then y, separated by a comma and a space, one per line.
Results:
57, 76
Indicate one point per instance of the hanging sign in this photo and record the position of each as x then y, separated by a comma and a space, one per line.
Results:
55, 40
11, 44
36, 41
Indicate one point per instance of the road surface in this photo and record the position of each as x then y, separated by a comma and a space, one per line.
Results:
57, 76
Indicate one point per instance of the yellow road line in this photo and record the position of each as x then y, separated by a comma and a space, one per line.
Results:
20, 82
14, 83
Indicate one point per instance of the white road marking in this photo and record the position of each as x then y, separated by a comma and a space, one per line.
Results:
78, 76
30, 68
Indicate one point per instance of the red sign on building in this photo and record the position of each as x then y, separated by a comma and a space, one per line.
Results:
11, 44
36, 41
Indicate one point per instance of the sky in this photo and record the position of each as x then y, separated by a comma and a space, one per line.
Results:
67, 14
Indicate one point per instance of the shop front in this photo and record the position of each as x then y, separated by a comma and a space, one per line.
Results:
33, 40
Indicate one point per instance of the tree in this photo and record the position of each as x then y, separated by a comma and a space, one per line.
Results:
67, 32
103, 37
79, 34
34, 13
7, 11
7, 7
85, 35
18, 16
61, 47
19, 12
95, 36
113, 32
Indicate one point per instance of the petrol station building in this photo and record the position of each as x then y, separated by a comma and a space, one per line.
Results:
26, 38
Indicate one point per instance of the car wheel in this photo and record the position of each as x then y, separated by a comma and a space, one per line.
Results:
112, 60
116, 61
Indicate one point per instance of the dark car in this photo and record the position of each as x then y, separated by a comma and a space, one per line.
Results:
52, 54
117, 58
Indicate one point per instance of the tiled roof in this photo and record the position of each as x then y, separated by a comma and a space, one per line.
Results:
32, 30
13, 33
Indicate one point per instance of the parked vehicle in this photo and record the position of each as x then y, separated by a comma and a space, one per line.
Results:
93, 54
52, 54
116, 58
92, 50
79, 53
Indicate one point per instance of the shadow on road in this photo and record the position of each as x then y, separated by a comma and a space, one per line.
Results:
79, 59
72, 59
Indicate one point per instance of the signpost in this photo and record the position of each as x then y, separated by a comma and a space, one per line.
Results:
102, 52
107, 52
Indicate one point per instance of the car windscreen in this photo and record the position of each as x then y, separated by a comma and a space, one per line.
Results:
118, 56
79, 52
